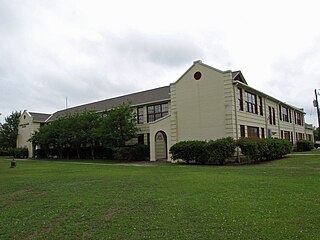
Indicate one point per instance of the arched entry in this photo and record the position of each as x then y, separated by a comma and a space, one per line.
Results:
161, 145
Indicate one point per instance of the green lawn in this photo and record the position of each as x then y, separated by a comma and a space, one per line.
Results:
313, 151
56, 200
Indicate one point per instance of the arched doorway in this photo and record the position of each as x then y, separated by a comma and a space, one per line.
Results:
161, 145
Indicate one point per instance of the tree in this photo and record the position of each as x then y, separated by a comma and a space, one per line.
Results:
88, 129
9, 130
118, 126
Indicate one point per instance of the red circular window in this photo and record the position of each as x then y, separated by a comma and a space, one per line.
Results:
197, 75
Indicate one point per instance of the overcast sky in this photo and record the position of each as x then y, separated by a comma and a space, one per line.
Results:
88, 50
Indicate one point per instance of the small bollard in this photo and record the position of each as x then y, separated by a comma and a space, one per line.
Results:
13, 163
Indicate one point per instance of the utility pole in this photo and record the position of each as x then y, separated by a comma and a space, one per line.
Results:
317, 106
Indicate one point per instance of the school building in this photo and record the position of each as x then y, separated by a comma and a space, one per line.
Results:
204, 103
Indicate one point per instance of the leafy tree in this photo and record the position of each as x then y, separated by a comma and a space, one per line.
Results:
118, 126
112, 128
9, 130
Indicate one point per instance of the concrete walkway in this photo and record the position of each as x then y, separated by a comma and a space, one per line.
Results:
136, 163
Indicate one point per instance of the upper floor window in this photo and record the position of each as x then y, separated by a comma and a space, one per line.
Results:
272, 116
298, 118
240, 98
260, 106
140, 113
284, 114
251, 103
157, 111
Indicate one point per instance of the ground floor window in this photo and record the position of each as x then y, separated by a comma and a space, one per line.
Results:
140, 139
299, 136
262, 133
242, 131
253, 132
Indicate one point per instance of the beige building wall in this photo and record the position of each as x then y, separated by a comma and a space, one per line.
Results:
199, 107
25, 130
161, 125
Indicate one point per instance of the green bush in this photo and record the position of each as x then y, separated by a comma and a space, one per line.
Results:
21, 153
250, 148
220, 150
190, 151
277, 148
137, 152
264, 149
7, 152
304, 146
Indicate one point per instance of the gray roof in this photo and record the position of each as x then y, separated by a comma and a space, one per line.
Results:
39, 117
139, 98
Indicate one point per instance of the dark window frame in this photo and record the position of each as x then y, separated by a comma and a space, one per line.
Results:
157, 111
253, 132
251, 103
140, 115
240, 98
242, 131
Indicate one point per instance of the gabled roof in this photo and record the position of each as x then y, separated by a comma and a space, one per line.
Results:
139, 98
39, 117
237, 75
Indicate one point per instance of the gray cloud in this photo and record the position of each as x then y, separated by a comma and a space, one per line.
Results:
295, 79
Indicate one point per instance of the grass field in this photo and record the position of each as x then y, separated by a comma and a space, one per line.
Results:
56, 200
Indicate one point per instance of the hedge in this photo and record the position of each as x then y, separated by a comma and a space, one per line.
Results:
139, 152
304, 146
220, 150
190, 151
264, 149
15, 152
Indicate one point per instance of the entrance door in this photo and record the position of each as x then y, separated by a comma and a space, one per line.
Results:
161, 145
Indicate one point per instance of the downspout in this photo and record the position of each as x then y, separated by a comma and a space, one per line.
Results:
236, 119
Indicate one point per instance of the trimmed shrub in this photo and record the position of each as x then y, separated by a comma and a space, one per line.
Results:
21, 153
249, 148
7, 152
137, 152
264, 149
190, 151
304, 146
220, 150
277, 148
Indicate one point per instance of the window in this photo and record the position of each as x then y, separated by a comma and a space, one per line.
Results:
290, 115
262, 133
270, 115
299, 136
274, 116
140, 115
285, 114
240, 99
309, 137
157, 111
251, 103
242, 131
260, 106
253, 132
298, 119
286, 135
140, 139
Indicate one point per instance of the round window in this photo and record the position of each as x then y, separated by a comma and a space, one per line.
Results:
197, 75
